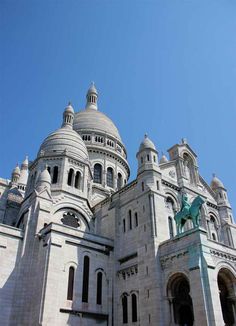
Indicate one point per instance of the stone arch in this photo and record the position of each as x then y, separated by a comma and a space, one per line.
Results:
172, 208
179, 296
227, 291
173, 196
76, 218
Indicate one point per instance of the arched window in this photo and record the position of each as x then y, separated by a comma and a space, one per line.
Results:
171, 231
130, 219
213, 228
70, 283
119, 181
110, 181
134, 308
77, 180
99, 288
125, 309
97, 173
70, 177
85, 280
188, 168
55, 174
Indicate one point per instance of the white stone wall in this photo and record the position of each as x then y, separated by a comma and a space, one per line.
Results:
10, 246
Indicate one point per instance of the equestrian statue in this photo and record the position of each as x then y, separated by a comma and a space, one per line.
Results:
188, 212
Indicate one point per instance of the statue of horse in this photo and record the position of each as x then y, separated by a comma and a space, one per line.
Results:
191, 213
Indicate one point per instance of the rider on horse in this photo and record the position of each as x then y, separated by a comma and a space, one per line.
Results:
185, 205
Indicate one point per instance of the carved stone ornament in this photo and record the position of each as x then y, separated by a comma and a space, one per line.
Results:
70, 219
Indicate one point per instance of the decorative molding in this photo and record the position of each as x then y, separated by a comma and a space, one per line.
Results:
224, 255
212, 205
170, 185
127, 272
165, 260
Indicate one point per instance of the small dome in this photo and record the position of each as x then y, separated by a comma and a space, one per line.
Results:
163, 159
62, 140
147, 144
16, 170
216, 183
93, 120
44, 177
92, 89
69, 108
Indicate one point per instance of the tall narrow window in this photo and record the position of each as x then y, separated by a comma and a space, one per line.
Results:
70, 283
119, 181
136, 219
99, 288
110, 182
171, 232
70, 177
134, 308
55, 174
142, 186
77, 180
124, 226
49, 169
125, 309
85, 280
97, 174
130, 219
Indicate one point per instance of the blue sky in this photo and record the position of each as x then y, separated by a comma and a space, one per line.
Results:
167, 68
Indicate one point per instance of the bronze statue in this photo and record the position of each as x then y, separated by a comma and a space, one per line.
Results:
188, 211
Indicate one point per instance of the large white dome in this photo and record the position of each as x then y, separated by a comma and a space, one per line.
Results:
64, 139
94, 120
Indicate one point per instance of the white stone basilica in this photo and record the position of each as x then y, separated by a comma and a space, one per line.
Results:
81, 245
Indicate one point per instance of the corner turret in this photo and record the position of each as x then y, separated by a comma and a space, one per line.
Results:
147, 156
15, 175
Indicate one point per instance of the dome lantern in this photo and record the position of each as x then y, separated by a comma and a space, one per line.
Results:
68, 117
92, 96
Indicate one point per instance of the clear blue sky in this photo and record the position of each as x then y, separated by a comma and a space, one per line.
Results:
166, 67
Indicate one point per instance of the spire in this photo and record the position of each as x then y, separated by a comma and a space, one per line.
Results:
24, 164
92, 96
68, 117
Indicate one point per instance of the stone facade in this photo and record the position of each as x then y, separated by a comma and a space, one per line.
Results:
80, 245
